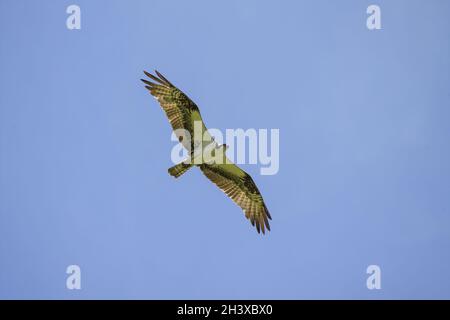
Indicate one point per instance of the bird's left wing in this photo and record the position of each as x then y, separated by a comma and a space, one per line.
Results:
239, 186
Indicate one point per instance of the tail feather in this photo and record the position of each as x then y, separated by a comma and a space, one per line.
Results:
179, 169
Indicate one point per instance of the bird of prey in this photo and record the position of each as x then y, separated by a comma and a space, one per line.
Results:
232, 180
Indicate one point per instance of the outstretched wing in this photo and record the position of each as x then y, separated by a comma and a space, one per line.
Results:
239, 186
177, 106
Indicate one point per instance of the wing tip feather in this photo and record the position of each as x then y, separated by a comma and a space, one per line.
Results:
160, 79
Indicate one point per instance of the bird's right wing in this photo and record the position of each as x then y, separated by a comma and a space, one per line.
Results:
177, 106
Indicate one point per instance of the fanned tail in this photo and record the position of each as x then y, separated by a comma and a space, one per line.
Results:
179, 169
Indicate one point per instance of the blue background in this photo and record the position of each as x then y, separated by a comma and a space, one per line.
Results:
364, 149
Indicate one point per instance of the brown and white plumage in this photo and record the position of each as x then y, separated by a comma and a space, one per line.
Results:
239, 186
232, 180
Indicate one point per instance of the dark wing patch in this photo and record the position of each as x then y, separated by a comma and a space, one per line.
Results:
242, 190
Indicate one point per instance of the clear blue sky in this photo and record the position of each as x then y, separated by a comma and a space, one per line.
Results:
364, 156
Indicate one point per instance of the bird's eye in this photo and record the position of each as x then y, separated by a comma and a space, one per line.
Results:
180, 138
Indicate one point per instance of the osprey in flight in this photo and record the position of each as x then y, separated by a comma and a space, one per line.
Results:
235, 182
